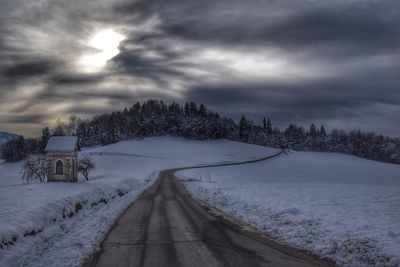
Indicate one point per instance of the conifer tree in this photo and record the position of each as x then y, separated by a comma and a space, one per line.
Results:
322, 132
269, 126
44, 139
202, 111
313, 131
244, 129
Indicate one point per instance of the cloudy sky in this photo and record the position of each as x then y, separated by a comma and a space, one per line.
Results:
335, 62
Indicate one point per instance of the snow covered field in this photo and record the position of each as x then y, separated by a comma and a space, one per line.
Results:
9, 173
338, 206
59, 224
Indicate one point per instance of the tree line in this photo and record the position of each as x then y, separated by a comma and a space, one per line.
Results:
193, 121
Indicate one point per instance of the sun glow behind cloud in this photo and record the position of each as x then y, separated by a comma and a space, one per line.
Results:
106, 42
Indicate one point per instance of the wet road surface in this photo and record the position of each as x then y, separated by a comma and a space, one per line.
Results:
166, 227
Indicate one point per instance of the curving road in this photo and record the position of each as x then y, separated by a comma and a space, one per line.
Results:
166, 227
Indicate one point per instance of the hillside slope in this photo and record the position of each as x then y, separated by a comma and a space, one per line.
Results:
59, 224
339, 206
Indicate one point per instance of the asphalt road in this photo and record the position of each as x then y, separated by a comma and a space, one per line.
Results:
166, 227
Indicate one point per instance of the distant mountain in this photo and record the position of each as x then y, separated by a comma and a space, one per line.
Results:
5, 137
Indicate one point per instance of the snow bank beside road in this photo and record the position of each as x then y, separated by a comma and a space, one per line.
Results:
59, 224
339, 206
69, 228
38, 205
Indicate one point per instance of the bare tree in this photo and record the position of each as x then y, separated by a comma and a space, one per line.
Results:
85, 166
59, 129
35, 169
72, 125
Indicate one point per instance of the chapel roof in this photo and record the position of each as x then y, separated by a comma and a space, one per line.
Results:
62, 144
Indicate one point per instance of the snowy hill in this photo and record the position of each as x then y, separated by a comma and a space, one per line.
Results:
59, 224
339, 206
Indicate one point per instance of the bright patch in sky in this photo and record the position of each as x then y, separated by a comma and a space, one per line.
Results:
268, 64
106, 42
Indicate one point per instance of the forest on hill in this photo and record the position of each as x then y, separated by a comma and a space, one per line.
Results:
156, 118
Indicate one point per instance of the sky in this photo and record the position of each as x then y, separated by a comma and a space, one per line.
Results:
335, 62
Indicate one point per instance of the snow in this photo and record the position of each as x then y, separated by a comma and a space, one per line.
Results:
10, 173
60, 224
61, 143
338, 206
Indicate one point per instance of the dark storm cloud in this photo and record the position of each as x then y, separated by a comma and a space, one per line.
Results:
297, 99
30, 119
316, 101
62, 79
27, 69
357, 25
138, 10
342, 58
350, 26
134, 63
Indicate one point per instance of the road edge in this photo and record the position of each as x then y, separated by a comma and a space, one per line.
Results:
233, 223
245, 228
